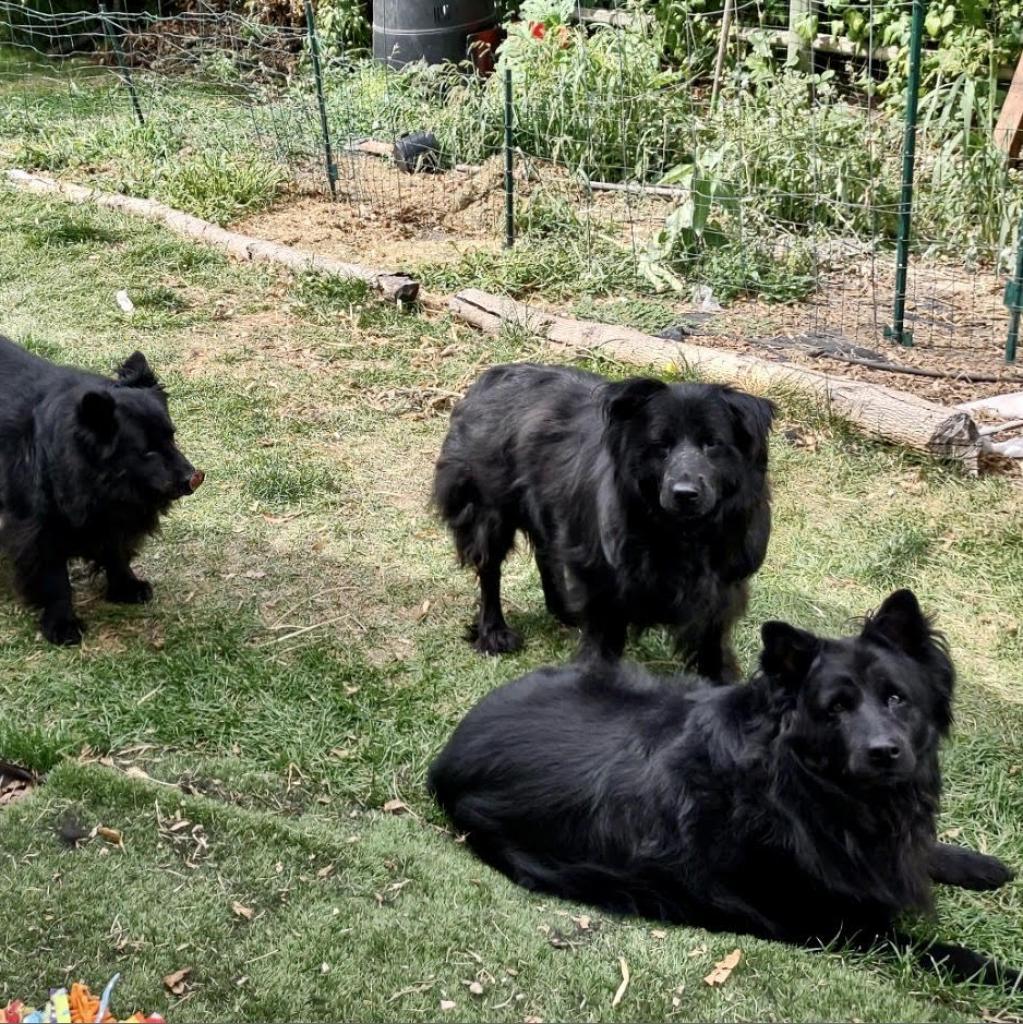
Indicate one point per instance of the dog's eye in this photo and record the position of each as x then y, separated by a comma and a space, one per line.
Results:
895, 699
840, 705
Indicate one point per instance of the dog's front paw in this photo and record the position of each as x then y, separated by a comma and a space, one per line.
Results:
968, 869
62, 628
496, 641
986, 873
129, 591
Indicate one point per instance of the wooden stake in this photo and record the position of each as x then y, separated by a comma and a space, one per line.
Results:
1008, 135
719, 64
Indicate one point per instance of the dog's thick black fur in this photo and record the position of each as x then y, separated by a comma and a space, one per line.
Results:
645, 503
799, 807
87, 467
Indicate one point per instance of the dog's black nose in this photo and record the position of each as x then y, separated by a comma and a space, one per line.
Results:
684, 492
883, 755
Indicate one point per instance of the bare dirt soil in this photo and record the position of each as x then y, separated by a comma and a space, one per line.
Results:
399, 221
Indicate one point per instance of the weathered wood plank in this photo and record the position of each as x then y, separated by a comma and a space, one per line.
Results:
1008, 136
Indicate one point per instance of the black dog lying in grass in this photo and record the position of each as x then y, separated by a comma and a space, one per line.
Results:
87, 466
799, 807
645, 503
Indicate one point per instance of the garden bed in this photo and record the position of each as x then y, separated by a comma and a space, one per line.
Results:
417, 223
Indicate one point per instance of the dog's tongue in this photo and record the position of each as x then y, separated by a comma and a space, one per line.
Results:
197, 478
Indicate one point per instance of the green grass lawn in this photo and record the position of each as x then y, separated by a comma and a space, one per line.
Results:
302, 663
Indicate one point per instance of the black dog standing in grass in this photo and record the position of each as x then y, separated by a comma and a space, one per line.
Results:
87, 467
799, 807
646, 503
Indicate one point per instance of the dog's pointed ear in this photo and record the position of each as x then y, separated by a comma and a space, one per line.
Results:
623, 399
788, 652
900, 623
97, 413
753, 417
135, 372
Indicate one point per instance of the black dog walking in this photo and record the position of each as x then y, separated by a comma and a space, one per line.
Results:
800, 807
87, 467
645, 503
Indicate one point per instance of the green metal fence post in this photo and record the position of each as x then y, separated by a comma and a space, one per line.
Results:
328, 149
122, 67
509, 164
897, 332
1014, 299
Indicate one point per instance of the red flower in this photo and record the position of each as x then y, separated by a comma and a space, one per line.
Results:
537, 29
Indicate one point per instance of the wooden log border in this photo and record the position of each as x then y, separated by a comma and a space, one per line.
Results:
877, 411
392, 284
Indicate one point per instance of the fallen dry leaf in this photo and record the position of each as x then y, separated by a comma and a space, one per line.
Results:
111, 835
582, 922
723, 968
447, 1004
277, 520
558, 941
12, 791
659, 933
175, 983
620, 993
325, 872
423, 986
242, 911
395, 807
135, 772
476, 988
424, 610
15, 783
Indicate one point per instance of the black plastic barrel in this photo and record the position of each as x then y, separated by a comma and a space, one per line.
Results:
435, 31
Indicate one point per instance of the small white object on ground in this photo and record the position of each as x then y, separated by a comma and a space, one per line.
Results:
124, 302
704, 296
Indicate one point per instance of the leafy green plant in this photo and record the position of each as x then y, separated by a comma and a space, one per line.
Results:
323, 298
221, 186
694, 226
342, 25
755, 268
545, 214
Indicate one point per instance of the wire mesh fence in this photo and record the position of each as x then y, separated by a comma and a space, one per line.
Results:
769, 187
